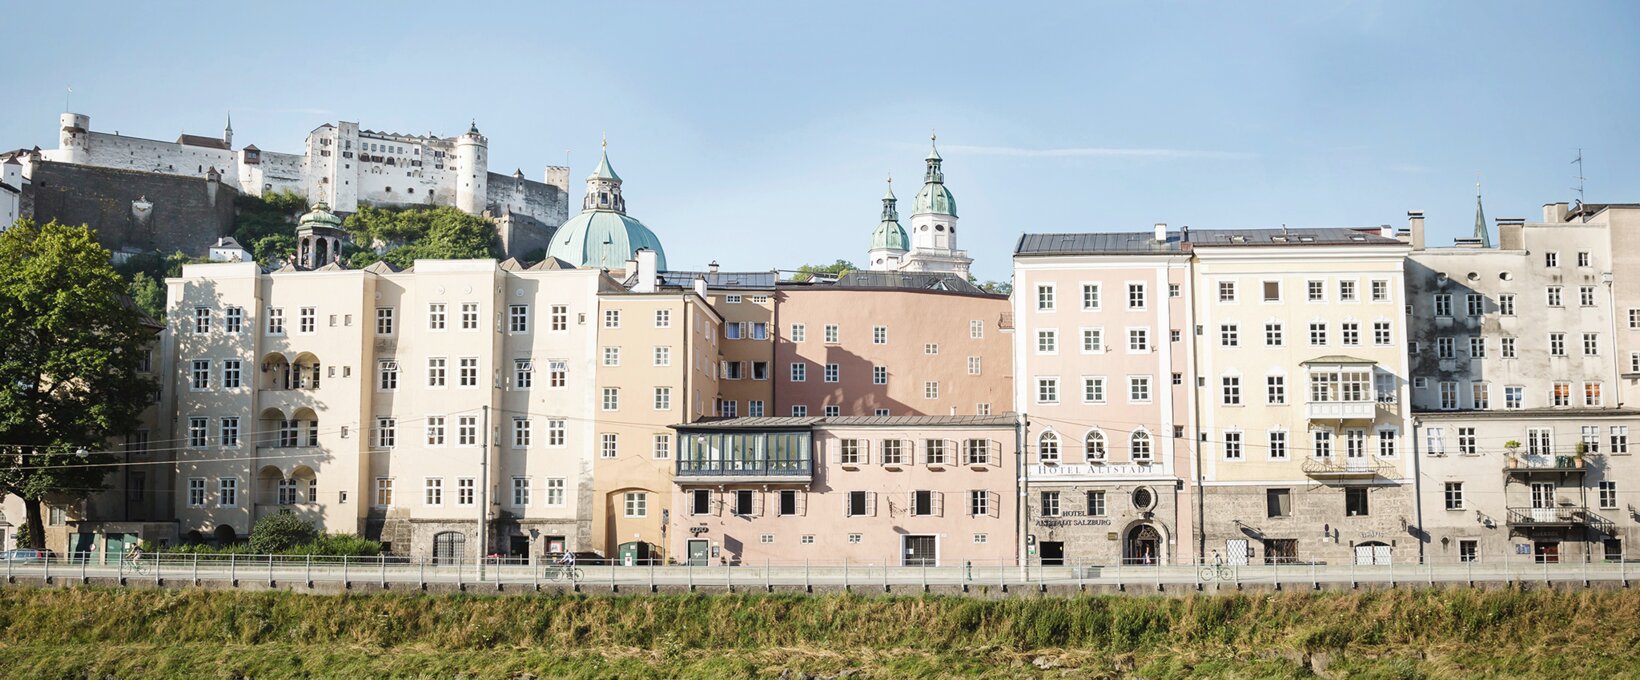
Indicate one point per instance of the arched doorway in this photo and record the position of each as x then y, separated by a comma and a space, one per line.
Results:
1143, 545
225, 535
449, 546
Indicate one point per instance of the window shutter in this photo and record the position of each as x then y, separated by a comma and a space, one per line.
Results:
938, 501
802, 503
865, 451
871, 504
993, 503
757, 503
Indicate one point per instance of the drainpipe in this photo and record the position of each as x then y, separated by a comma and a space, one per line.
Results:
1418, 489
1022, 503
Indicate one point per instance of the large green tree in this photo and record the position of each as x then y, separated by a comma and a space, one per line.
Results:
71, 342
407, 235
834, 269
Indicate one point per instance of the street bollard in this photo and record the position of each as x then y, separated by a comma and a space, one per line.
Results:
808, 587
689, 571
47, 576
458, 573
1314, 584
845, 575
82, 571
159, 568
383, 559
421, 579
1081, 576
652, 587
885, 576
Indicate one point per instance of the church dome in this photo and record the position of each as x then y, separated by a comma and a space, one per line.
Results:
936, 199
320, 216
890, 236
603, 239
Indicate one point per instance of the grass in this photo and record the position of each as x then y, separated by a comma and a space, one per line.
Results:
83, 632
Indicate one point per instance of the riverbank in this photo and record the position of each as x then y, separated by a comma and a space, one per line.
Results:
82, 632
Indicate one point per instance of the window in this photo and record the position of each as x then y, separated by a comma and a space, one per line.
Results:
1278, 502
1136, 296
1047, 390
923, 503
1477, 346
976, 452
732, 330
276, 321
800, 372
973, 365
1350, 332
1093, 340
1380, 333
1047, 341
1589, 438
384, 321
1583, 258
1321, 444
879, 375
1139, 446
1386, 443
1634, 318
227, 492
934, 452
1506, 348
436, 316
1139, 388
1449, 395
800, 411
1050, 504
859, 505
1551, 259
1047, 448
1608, 495
1044, 297
663, 398
197, 434
233, 319
1138, 339
1380, 291
521, 432
931, 389
200, 375
1096, 503
1272, 335
1443, 304
893, 452
879, 335
435, 371
384, 491
386, 432
744, 503
467, 431
434, 492
1591, 344
612, 399
1346, 291
1318, 333
466, 490
754, 408
518, 318
609, 445
196, 494
1272, 291
1278, 445
612, 318
202, 319
1474, 304
1093, 390
1227, 291
559, 318
1562, 394
1355, 501
1591, 394
1585, 296
556, 431
523, 373
1229, 335
1539, 441
232, 374
1275, 389
467, 372
1506, 304
1173, 290
387, 374
1231, 390
1479, 395
850, 452
1454, 495
637, 504
1090, 297
1553, 295
1445, 348
1232, 445
979, 503
612, 356
1620, 439
760, 370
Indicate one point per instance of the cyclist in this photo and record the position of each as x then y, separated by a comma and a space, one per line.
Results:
134, 554
567, 560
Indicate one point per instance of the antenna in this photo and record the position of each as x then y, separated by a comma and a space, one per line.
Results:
1580, 178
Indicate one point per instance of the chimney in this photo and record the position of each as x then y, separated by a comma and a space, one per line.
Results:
1555, 213
1386, 231
700, 287
1415, 222
1510, 233
713, 267
1161, 232
645, 271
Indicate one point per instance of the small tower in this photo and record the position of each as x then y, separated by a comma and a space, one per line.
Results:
604, 187
888, 242
74, 141
319, 238
934, 223
227, 132
1482, 234
473, 171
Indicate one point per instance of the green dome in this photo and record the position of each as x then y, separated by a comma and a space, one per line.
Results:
890, 236
320, 216
603, 239
936, 199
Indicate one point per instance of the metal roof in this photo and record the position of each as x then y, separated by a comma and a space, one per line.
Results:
1337, 359
1144, 242
1105, 243
686, 279
1310, 236
918, 281
809, 422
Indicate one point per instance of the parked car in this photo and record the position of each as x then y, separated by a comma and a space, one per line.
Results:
27, 555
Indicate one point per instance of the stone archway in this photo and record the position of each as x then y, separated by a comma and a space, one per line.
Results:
1144, 544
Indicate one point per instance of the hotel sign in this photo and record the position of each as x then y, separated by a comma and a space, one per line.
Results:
1097, 470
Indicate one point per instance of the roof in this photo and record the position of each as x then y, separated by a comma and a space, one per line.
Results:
201, 140
934, 198
550, 264
809, 422
227, 242
1528, 413
889, 235
604, 169
1103, 243
1314, 236
1337, 359
755, 280
905, 280
1144, 242
603, 239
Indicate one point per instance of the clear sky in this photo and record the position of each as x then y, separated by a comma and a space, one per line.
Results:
759, 133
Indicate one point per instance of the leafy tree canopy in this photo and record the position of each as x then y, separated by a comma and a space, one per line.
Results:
404, 236
70, 345
837, 268
259, 217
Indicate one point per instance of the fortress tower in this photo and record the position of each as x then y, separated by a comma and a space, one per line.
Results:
473, 168
74, 142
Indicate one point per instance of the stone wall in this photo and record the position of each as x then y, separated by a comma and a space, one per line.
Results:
1237, 512
134, 210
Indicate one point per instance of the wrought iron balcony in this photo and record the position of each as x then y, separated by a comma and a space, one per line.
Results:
1337, 467
1559, 517
1343, 410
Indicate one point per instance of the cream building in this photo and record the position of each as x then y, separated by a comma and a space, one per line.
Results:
1302, 404
360, 399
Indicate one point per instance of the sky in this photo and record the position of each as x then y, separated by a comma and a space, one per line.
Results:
759, 134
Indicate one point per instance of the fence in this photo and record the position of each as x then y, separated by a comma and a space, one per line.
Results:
285, 571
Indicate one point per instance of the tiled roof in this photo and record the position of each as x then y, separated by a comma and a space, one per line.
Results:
200, 140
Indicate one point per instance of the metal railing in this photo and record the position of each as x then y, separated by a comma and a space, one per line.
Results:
183, 570
1560, 515
1340, 466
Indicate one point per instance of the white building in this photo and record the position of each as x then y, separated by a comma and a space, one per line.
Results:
932, 244
11, 192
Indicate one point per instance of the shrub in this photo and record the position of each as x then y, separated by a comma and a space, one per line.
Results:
280, 532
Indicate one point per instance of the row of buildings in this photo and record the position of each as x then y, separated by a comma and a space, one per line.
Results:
1330, 395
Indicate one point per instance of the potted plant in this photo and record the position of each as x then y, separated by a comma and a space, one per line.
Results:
1513, 447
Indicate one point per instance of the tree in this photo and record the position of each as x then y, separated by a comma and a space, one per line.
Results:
148, 294
70, 345
258, 217
400, 237
835, 269
279, 532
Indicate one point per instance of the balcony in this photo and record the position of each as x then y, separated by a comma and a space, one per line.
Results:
1342, 410
1530, 463
1339, 468
1559, 517
725, 458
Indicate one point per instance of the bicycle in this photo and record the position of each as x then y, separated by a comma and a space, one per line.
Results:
134, 564
563, 572
1216, 572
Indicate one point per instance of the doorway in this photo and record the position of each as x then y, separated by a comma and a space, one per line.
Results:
1143, 545
1372, 553
699, 552
449, 547
1053, 553
1546, 552
1235, 551
1543, 501
922, 551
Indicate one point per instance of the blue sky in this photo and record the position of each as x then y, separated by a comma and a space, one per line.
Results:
759, 134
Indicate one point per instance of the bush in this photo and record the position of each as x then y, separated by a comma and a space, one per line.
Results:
280, 532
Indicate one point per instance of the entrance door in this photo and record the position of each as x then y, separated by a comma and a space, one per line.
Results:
1053, 553
1543, 501
449, 547
85, 547
1280, 551
1546, 552
1235, 551
920, 551
115, 546
518, 546
1144, 545
699, 552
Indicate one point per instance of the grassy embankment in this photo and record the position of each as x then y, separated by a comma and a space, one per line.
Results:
1431, 633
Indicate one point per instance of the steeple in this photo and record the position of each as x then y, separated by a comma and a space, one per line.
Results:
227, 132
1481, 233
604, 187
933, 174
890, 213
605, 171
889, 242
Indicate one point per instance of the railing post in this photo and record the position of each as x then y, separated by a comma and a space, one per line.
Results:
196, 569
270, 570
689, 571
383, 559
499, 564
458, 573
652, 575
307, 571
9, 577
421, 580
845, 574
233, 570
159, 568
808, 586
82, 570
768, 580
345, 583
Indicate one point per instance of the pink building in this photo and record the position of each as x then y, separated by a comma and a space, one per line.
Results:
1105, 343
913, 491
891, 344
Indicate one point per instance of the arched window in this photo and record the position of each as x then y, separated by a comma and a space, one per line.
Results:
1140, 446
1047, 448
1095, 443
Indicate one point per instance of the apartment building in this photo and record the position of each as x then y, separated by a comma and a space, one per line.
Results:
746, 301
862, 490
1300, 382
878, 343
1102, 353
658, 357
1517, 392
445, 410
